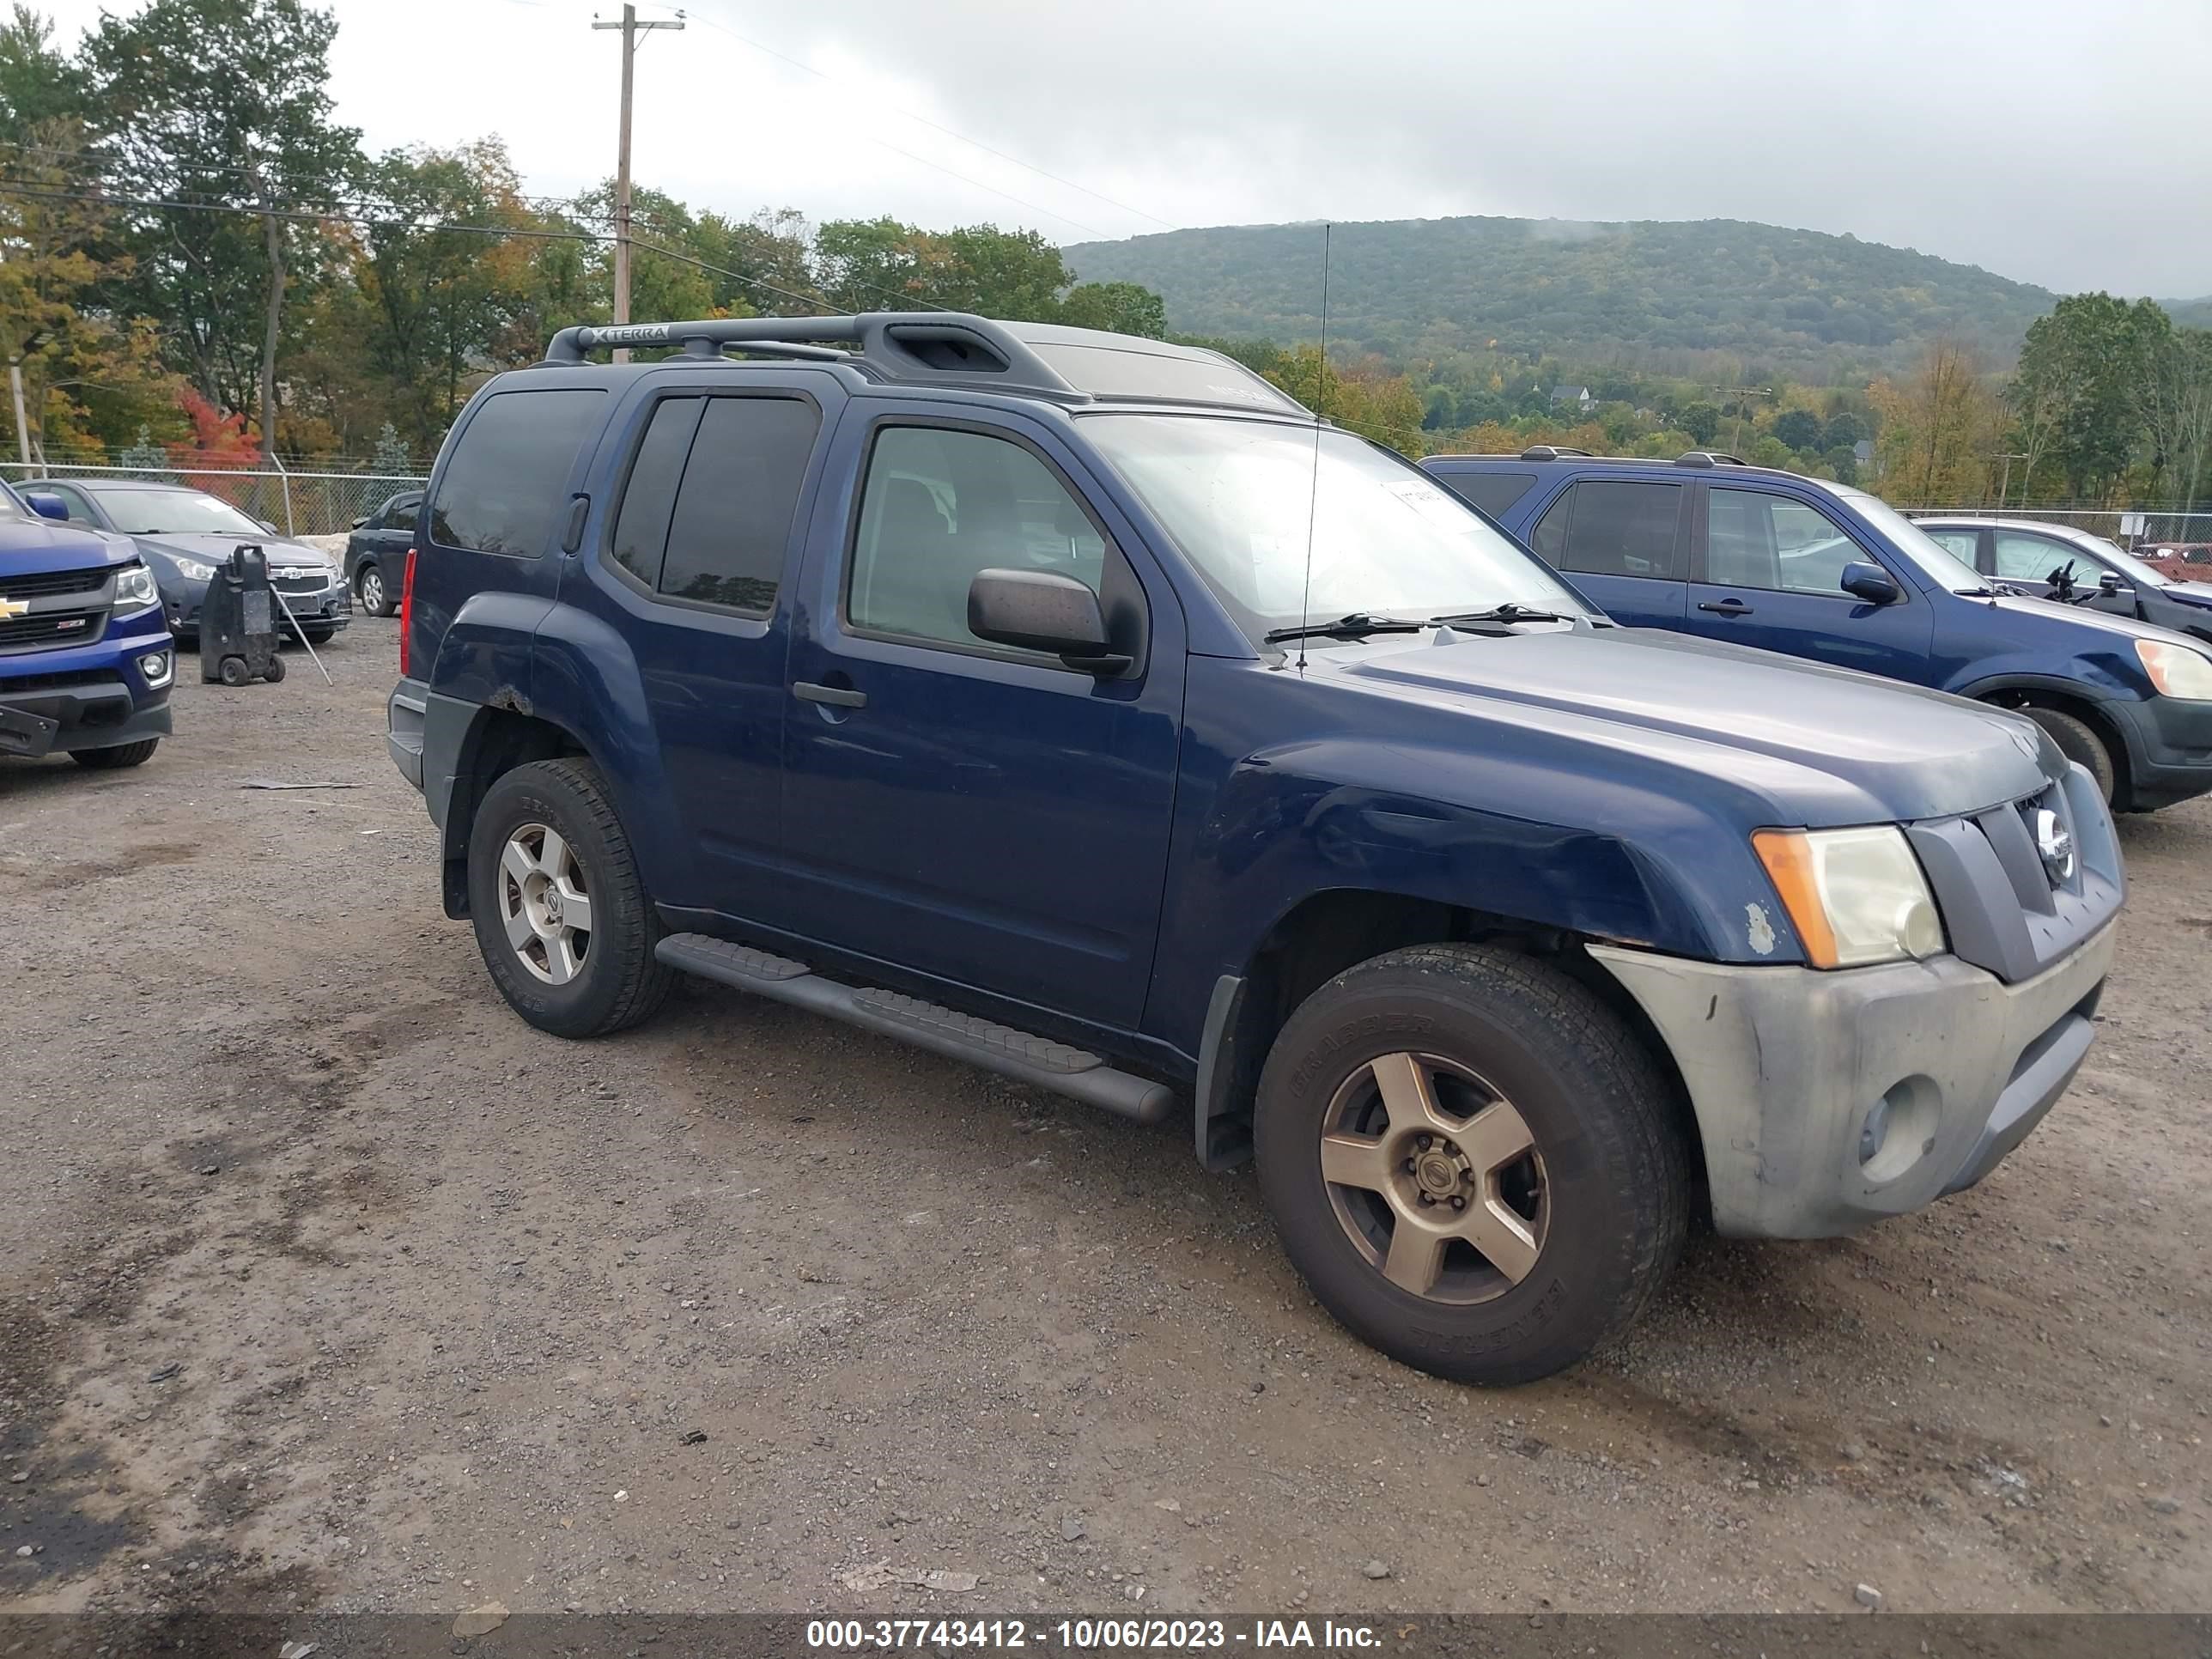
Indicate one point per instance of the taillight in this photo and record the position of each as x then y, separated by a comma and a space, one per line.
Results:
406, 611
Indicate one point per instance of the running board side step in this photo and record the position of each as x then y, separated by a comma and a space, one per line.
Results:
1039, 1061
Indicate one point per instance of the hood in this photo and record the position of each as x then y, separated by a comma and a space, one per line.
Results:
214, 549
38, 545
2101, 622
1791, 731
2189, 592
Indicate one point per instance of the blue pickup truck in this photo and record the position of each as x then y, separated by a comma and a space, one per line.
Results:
1708, 546
1081, 707
85, 662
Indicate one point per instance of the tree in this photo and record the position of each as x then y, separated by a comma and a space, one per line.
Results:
1702, 421
1797, 429
223, 103
1844, 430
1122, 307
2076, 396
1937, 429
36, 88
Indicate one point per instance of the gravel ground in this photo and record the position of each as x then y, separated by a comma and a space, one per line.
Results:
325, 1281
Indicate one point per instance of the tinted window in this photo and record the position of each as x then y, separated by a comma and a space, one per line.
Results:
1493, 492
2023, 558
1756, 540
403, 513
733, 509
506, 482
649, 497
940, 506
1612, 528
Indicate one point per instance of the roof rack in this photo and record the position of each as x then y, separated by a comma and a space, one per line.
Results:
1550, 452
1708, 458
937, 346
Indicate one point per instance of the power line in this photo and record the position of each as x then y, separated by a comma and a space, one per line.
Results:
17, 187
974, 144
923, 160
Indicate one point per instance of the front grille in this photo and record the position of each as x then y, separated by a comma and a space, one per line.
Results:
299, 584
48, 583
15, 685
48, 629
2023, 883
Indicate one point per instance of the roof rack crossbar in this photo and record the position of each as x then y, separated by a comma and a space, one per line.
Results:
942, 347
1551, 451
1708, 458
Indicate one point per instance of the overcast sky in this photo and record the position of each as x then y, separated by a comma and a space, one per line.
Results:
2056, 142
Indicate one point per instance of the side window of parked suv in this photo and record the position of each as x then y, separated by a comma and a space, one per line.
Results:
938, 507
706, 513
1754, 539
1612, 528
504, 485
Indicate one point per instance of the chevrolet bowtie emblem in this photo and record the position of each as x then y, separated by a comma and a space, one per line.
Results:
13, 607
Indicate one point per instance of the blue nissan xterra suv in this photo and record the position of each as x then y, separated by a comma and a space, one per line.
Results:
1708, 546
85, 662
1081, 707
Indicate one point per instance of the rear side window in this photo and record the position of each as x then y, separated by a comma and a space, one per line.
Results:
1612, 528
706, 513
1493, 492
506, 482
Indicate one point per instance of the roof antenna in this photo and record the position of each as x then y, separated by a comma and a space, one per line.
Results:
1313, 491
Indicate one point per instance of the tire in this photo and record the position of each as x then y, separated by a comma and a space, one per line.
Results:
2078, 741
115, 759
1602, 1204
369, 589
612, 979
232, 672
276, 670
319, 636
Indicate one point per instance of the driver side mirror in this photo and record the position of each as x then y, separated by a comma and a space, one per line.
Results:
2109, 582
1042, 611
1862, 578
45, 504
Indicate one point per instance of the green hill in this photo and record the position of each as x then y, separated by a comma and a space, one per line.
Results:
1668, 296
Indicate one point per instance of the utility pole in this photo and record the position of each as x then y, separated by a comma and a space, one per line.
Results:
1740, 394
2005, 487
23, 427
631, 28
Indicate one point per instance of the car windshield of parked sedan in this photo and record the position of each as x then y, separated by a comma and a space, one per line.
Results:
1936, 561
2128, 565
1242, 498
174, 513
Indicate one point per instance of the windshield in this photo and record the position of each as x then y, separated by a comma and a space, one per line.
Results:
1936, 561
2127, 564
174, 512
1238, 496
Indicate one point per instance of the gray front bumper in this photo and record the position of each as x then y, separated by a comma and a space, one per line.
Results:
1785, 1066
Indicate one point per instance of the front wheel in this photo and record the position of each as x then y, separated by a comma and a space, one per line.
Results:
2078, 741
560, 915
1472, 1161
122, 755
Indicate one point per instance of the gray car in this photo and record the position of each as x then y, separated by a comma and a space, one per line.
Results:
2025, 554
183, 534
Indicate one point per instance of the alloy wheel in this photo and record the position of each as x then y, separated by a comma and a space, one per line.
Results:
1435, 1178
543, 903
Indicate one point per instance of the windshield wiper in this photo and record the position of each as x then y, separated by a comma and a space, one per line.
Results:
1508, 612
1352, 626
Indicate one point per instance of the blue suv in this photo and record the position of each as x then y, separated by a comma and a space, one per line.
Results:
1710, 547
1080, 706
85, 662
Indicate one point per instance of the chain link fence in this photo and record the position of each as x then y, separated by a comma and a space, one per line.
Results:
2140, 529
297, 503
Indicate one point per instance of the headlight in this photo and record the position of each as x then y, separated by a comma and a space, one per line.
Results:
1856, 896
2176, 670
193, 571
135, 589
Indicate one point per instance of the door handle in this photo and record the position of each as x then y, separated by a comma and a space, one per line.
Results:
1727, 608
842, 697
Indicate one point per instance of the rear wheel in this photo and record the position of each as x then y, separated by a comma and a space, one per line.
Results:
122, 755
369, 588
2078, 741
1472, 1161
560, 915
